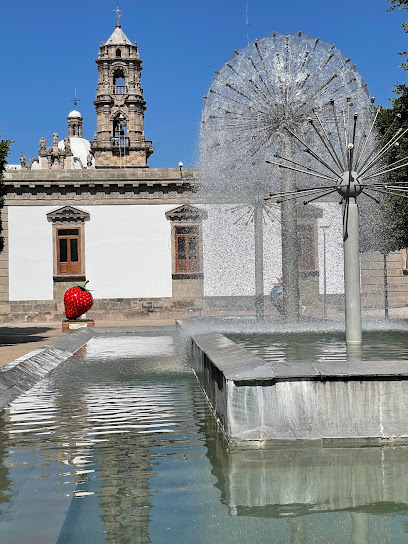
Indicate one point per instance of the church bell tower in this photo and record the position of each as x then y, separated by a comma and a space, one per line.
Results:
119, 139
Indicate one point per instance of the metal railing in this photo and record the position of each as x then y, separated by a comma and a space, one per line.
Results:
119, 89
120, 141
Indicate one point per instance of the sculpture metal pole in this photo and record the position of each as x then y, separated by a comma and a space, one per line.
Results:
324, 227
352, 272
290, 263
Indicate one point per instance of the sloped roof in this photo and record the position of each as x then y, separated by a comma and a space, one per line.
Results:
186, 213
118, 37
68, 213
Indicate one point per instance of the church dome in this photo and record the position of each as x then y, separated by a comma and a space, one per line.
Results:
74, 113
81, 150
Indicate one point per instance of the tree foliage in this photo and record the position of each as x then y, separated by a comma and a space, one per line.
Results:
4, 151
395, 208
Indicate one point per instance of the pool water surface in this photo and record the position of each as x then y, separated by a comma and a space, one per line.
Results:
324, 346
119, 446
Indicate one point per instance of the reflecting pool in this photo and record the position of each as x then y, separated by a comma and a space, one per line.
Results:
119, 446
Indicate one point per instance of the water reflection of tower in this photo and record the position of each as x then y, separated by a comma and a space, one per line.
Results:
125, 470
131, 414
123, 460
127, 462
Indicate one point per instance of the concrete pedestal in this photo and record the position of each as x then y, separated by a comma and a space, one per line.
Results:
74, 325
257, 400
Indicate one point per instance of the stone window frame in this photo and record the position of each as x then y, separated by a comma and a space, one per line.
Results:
186, 216
68, 217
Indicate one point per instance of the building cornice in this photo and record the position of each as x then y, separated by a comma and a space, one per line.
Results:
114, 185
100, 176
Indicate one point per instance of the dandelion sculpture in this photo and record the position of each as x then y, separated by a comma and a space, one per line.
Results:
257, 99
351, 162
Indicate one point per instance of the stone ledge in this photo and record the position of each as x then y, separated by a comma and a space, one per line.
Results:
20, 375
257, 401
238, 364
101, 175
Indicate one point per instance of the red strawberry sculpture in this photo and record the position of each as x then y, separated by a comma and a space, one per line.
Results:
77, 301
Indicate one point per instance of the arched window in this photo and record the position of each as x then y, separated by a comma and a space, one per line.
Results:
120, 140
118, 52
119, 84
74, 130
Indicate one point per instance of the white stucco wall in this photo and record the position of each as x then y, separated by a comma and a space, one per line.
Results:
228, 248
127, 251
333, 219
30, 253
229, 251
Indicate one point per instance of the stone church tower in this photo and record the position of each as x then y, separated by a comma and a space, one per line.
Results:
119, 104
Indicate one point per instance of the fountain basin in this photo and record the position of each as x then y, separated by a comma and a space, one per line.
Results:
258, 400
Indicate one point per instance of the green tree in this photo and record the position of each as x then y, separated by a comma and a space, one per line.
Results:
4, 151
395, 208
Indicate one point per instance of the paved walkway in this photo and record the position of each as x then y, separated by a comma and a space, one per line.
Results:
17, 339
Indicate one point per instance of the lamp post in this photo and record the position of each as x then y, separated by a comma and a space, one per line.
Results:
180, 164
385, 275
324, 227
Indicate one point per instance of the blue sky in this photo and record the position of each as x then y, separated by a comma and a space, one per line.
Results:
48, 50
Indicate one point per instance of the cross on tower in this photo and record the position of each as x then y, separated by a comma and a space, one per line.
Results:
75, 100
117, 11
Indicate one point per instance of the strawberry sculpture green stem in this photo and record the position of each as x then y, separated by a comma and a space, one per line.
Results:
77, 301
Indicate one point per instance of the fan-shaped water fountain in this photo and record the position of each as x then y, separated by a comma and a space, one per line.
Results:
265, 90
299, 104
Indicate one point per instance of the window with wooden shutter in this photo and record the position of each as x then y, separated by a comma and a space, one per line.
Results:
187, 249
69, 243
68, 251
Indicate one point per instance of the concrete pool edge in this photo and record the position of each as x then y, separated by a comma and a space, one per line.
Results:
20, 375
254, 400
